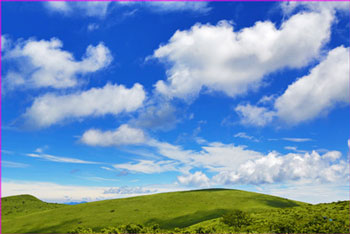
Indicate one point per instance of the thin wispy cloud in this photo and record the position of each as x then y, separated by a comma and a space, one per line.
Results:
10, 164
245, 136
59, 159
293, 139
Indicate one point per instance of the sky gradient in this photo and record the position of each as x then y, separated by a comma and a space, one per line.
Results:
104, 100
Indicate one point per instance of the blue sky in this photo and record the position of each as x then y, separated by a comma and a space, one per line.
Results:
106, 100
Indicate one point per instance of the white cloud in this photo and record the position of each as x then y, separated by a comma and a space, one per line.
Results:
198, 179
110, 99
291, 148
5, 42
10, 164
267, 99
214, 156
45, 64
101, 9
91, 9
107, 168
239, 165
332, 155
295, 149
289, 7
59, 159
62, 7
166, 7
156, 115
148, 166
124, 135
92, 27
309, 97
216, 58
201, 7
254, 115
245, 136
41, 149
317, 93
293, 139
275, 168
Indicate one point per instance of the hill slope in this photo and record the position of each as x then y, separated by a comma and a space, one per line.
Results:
176, 209
321, 218
15, 206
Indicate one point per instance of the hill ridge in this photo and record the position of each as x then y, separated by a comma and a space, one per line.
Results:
169, 210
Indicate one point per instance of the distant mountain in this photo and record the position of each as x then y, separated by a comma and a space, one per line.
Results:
74, 203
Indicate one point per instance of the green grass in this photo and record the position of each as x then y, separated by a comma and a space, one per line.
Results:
321, 218
169, 210
17, 206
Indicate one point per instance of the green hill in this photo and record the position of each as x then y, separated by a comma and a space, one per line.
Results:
15, 206
169, 210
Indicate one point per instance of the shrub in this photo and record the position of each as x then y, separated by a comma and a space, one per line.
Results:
236, 218
81, 230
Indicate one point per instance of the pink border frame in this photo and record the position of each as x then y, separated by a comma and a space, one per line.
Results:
148, 1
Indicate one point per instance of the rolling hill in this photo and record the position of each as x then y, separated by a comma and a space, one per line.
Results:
169, 210
17, 206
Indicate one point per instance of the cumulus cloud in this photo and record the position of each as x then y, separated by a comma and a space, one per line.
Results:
198, 179
112, 99
275, 168
216, 58
318, 92
254, 115
310, 96
290, 6
239, 165
124, 135
38, 64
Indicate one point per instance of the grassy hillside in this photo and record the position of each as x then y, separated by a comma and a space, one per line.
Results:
17, 206
169, 210
321, 218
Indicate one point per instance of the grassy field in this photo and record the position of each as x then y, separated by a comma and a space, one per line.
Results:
169, 210
17, 206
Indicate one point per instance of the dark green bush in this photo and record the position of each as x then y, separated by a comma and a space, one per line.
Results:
236, 218
81, 230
